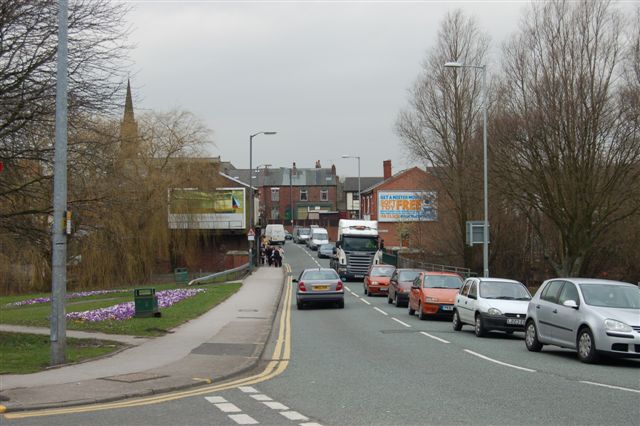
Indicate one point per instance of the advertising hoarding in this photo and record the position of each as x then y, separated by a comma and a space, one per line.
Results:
195, 209
407, 206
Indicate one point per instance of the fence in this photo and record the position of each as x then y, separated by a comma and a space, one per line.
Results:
400, 261
230, 274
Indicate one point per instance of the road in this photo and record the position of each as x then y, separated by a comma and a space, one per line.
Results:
371, 363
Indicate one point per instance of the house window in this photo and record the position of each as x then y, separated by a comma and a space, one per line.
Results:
303, 195
275, 212
275, 194
324, 195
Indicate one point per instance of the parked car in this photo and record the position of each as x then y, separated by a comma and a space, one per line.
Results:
319, 285
301, 234
288, 235
591, 316
491, 304
325, 250
400, 285
376, 281
433, 293
318, 237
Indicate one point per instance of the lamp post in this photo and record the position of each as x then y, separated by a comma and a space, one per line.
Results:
251, 191
359, 200
485, 241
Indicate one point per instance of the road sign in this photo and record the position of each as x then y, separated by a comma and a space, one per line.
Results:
475, 232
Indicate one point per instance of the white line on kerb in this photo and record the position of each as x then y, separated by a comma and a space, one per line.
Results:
434, 337
381, 311
364, 301
403, 323
499, 362
610, 386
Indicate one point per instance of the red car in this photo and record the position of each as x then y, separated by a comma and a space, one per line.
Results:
434, 293
377, 279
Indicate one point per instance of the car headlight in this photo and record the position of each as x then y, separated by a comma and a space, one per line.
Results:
374, 282
613, 325
431, 299
494, 311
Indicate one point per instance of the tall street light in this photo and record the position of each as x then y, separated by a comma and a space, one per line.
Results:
485, 241
359, 199
251, 191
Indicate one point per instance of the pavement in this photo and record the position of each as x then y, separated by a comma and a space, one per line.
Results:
223, 343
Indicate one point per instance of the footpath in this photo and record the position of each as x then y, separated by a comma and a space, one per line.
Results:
222, 343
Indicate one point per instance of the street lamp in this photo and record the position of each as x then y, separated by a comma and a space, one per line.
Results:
251, 191
359, 199
485, 241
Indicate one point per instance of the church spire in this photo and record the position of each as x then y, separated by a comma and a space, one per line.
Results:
129, 139
128, 106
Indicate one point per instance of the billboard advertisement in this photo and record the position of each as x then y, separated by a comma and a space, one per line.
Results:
407, 206
195, 209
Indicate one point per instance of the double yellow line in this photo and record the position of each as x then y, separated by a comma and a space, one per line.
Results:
277, 365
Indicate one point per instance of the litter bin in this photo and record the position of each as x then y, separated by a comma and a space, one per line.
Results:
146, 303
181, 275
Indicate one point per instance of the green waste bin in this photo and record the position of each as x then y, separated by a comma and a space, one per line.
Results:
146, 303
181, 275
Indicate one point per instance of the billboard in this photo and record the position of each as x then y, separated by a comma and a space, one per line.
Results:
407, 206
195, 209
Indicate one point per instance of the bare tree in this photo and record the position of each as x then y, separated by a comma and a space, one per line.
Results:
440, 125
566, 149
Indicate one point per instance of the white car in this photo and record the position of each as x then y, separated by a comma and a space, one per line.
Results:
491, 304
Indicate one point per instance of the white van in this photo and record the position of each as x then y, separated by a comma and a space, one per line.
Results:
274, 233
319, 236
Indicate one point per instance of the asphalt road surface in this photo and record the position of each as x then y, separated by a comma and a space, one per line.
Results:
372, 363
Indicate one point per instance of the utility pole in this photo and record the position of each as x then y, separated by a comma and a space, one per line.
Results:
58, 323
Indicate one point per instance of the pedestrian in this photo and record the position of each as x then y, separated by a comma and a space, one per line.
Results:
263, 254
269, 253
277, 259
281, 253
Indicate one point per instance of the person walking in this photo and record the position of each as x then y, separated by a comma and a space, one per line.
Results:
281, 254
277, 260
269, 253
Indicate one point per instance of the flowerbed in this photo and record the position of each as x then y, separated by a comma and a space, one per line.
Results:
123, 311
68, 296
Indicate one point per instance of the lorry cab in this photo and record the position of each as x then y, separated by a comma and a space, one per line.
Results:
357, 248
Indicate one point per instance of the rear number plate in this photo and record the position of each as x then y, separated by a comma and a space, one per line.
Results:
515, 321
321, 287
446, 307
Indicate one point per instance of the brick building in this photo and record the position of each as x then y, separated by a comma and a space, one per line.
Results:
348, 197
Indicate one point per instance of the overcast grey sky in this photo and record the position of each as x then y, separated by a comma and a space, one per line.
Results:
329, 77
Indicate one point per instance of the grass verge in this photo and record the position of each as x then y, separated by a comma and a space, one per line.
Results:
181, 312
27, 353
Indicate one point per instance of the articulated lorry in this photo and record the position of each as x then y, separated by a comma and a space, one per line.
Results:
356, 248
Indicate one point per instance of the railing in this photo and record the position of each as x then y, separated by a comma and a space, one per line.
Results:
403, 262
229, 274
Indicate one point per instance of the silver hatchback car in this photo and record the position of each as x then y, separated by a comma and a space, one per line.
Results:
592, 316
319, 285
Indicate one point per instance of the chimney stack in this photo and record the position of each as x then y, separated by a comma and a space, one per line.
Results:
295, 171
386, 166
318, 166
333, 169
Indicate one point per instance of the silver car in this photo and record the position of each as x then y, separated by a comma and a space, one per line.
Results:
319, 285
591, 316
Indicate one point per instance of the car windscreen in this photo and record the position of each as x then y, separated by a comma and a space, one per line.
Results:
359, 244
320, 236
326, 247
611, 296
408, 275
320, 275
382, 271
442, 281
503, 290
304, 231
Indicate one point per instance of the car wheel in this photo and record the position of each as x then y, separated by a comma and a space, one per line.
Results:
396, 301
421, 315
480, 330
531, 337
300, 305
341, 304
586, 346
457, 325
412, 311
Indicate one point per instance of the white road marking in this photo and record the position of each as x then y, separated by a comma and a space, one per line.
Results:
243, 419
228, 407
293, 415
364, 301
260, 397
434, 337
610, 386
310, 424
276, 405
215, 399
381, 311
403, 323
248, 389
499, 362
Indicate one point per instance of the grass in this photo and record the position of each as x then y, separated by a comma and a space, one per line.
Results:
27, 353
38, 314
